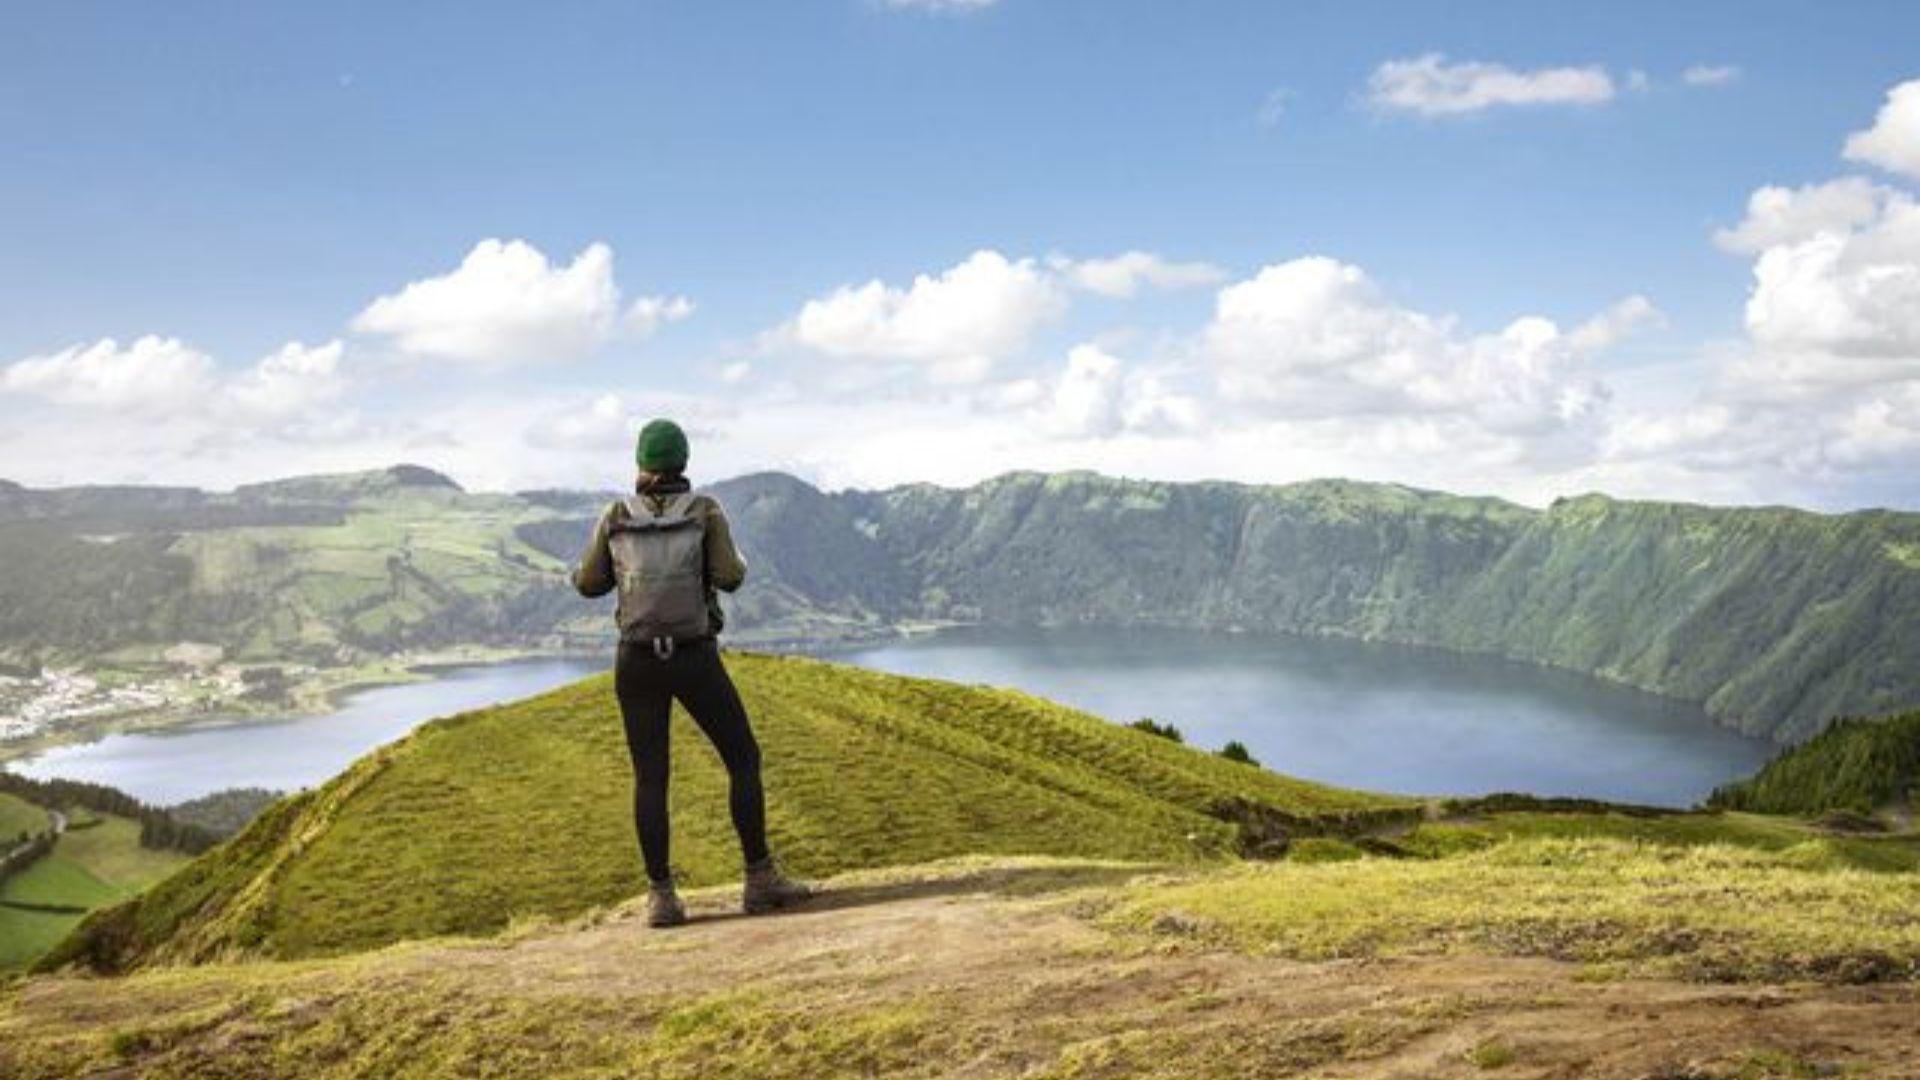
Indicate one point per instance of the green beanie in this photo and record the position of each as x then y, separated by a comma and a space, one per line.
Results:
662, 447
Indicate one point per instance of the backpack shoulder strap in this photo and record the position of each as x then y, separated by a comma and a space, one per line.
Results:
680, 506
641, 518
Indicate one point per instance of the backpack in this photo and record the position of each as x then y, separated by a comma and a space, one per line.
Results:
660, 564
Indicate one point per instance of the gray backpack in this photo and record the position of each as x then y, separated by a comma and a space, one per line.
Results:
660, 562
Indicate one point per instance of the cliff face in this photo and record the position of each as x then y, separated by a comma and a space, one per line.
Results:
1776, 620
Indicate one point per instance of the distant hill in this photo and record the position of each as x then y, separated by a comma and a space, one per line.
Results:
525, 809
324, 570
1773, 619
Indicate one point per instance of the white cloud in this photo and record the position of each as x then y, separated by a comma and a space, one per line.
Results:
1430, 86
650, 313
164, 379
736, 372
1780, 215
1844, 293
1086, 399
293, 380
1824, 390
1638, 81
1315, 338
1097, 395
1893, 142
1122, 275
504, 304
154, 375
1622, 320
1710, 75
602, 425
957, 322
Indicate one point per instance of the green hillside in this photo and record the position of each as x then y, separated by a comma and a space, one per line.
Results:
18, 816
318, 570
1773, 619
524, 809
97, 862
1858, 765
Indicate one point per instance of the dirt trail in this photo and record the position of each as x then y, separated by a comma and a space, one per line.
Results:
1023, 985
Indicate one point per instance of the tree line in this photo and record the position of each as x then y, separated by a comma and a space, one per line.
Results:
158, 829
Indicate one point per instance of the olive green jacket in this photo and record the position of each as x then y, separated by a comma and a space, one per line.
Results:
593, 575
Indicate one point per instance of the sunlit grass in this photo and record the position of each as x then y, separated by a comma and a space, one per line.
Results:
1710, 911
525, 810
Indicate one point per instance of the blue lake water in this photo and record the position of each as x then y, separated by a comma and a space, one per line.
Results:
1366, 715
1361, 714
166, 767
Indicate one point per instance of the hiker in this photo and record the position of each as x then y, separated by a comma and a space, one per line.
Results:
667, 548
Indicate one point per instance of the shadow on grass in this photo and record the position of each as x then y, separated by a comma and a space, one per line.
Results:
999, 881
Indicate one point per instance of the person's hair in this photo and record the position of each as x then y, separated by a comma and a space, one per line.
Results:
646, 481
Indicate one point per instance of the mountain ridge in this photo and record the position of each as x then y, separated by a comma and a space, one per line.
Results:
1773, 619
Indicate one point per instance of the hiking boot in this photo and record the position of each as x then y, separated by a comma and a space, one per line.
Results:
768, 888
664, 907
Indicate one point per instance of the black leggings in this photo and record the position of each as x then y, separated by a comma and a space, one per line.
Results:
647, 686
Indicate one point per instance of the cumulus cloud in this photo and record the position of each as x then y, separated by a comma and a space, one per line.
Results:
1710, 75
1097, 395
153, 375
603, 424
164, 378
504, 304
1893, 142
294, 380
1826, 382
1430, 86
958, 322
1123, 275
1624, 319
650, 313
1843, 293
1315, 338
1781, 215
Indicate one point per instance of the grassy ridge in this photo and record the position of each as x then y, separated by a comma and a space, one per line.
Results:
1711, 911
1858, 765
523, 809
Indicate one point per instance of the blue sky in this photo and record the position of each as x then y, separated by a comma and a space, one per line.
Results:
229, 178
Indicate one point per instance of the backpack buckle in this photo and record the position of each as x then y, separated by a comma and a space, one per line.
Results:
663, 648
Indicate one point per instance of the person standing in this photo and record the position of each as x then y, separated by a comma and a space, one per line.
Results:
668, 550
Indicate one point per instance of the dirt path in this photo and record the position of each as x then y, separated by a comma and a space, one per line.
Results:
1018, 983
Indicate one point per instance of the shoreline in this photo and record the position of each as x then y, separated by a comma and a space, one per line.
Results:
318, 691
315, 693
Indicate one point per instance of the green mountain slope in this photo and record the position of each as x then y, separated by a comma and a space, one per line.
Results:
1859, 765
1775, 620
319, 570
524, 809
